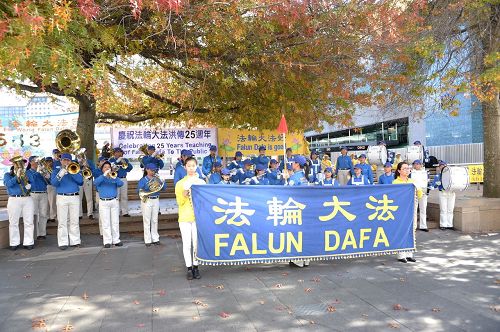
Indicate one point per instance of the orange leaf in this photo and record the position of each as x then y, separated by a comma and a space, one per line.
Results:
308, 290
38, 323
67, 328
393, 325
331, 308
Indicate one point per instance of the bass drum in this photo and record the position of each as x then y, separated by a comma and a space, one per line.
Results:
413, 153
455, 178
377, 155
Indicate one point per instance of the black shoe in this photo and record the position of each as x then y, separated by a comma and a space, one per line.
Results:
30, 247
63, 247
292, 264
14, 248
119, 244
51, 220
451, 228
189, 274
159, 212
126, 215
196, 273
157, 243
107, 245
41, 237
443, 228
411, 259
423, 229
80, 217
148, 244
75, 246
91, 216
403, 260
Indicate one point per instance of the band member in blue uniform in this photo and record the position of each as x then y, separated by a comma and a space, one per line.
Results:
366, 169
245, 174
124, 167
209, 161
151, 205
109, 207
343, 167
237, 163
274, 174
314, 166
68, 203
153, 158
39, 194
226, 176
215, 177
260, 176
20, 203
329, 180
358, 179
388, 176
289, 159
261, 159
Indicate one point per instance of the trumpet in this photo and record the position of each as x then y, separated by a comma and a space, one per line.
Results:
73, 168
80, 155
155, 185
113, 174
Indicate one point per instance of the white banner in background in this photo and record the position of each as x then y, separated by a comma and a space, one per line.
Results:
171, 140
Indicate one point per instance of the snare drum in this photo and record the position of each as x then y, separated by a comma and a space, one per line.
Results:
455, 178
414, 152
377, 155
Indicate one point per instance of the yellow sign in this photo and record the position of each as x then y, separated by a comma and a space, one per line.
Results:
249, 141
476, 173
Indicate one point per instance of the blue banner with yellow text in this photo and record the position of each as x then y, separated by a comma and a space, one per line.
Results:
253, 224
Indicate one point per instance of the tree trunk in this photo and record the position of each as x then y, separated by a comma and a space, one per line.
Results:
86, 123
491, 124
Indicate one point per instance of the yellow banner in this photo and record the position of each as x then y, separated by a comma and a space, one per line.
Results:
475, 173
249, 141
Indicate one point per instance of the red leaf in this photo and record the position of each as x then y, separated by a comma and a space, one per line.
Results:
162, 292
397, 307
137, 302
224, 314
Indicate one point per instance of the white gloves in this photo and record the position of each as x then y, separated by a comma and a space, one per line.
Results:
107, 172
438, 183
27, 186
62, 172
39, 169
119, 160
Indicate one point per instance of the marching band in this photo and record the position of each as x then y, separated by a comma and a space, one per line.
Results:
53, 187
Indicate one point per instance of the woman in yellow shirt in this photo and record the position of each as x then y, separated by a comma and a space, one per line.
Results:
187, 222
402, 176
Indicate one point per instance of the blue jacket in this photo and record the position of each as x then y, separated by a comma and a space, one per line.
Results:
208, 162
298, 179
330, 182
358, 181
437, 182
367, 171
152, 160
235, 164
69, 183
343, 162
13, 186
261, 181
282, 163
143, 185
243, 175
122, 172
214, 178
261, 160
37, 181
107, 187
386, 179
275, 177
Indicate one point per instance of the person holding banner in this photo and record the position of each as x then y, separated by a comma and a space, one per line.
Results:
402, 176
421, 178
210, 160
109, 207
329, 180
187, 221
446, 200
343, 167
358, 179
39, 194
388, 176
124, 167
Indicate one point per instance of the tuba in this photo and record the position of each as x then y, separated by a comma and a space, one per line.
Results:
67, 141
155, 185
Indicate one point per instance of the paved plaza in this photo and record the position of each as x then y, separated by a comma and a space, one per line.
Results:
454, 286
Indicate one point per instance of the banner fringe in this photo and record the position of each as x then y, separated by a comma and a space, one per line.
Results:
288, 259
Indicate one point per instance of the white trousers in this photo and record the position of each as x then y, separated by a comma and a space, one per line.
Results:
189, 242
87, 189
407, 254
123, 196
17, 207
422, 205
446, 207
97, 200
150, 219
51, 195
109, 217
343, 176
40, 210
67, 220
